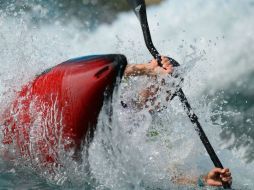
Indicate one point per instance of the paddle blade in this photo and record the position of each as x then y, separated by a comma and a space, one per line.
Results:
139, 7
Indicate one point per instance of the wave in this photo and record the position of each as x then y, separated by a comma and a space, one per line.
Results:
213, 40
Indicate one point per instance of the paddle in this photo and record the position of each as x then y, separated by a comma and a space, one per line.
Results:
140, 10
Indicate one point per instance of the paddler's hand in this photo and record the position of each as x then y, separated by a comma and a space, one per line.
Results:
154, 68
217, 175
150, 69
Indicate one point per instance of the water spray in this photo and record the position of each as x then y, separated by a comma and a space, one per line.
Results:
139, 7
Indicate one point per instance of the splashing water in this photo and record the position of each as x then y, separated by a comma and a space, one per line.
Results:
135, 149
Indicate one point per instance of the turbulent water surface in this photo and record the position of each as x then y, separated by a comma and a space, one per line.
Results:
213, 40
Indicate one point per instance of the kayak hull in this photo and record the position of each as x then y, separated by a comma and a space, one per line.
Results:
57, 109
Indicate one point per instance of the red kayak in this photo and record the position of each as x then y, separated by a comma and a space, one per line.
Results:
57, 109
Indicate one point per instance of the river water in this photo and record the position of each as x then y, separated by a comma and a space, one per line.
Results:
213, 40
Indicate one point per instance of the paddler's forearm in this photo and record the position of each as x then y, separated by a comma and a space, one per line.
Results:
138, 70
185, 181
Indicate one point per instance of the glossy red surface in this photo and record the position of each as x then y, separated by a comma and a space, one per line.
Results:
56, 109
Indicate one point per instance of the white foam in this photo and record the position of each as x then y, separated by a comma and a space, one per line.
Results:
220, 32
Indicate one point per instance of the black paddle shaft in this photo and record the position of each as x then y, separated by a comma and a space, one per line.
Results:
194, 120
140, 10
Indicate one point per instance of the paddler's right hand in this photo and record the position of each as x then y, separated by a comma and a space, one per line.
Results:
217, 175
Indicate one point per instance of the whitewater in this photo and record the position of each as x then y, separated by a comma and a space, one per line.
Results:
214, 43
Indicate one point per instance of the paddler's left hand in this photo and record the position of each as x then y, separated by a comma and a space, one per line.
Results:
150, 69
155, 69
217, 175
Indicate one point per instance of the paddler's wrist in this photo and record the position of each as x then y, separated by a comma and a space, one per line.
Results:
132, 70
202, 181
146, 69
149, 69
139, 69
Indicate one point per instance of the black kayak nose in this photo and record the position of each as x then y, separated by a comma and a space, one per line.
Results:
118, 61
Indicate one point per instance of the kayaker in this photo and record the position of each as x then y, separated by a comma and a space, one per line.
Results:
216, 175
32, 142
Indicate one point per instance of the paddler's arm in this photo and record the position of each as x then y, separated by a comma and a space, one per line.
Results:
150, 69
